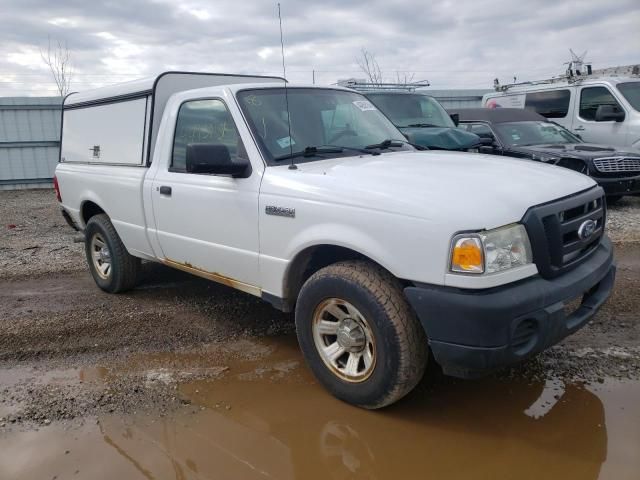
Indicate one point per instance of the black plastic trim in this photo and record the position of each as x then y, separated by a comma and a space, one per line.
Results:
108, 100
473, 331
277, 302
548, 252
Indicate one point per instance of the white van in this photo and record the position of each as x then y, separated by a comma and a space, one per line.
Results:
599, 108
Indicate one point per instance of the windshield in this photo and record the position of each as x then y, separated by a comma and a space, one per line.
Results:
406, 110
325, 123
631, 91
533, 133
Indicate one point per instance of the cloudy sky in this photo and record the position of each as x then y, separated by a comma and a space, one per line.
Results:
451, 43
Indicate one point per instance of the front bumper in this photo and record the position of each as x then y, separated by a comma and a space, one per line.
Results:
619, 186
472, 332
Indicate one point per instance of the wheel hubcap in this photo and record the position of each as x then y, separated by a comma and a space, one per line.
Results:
344, 340
101, 256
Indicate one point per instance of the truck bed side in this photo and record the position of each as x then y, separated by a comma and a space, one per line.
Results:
116, 190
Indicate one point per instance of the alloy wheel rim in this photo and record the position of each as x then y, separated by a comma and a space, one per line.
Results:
101, 256
344, 340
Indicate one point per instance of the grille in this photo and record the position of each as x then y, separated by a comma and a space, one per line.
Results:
554, 227
617, 164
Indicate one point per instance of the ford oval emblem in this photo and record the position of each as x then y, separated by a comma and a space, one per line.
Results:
587, 229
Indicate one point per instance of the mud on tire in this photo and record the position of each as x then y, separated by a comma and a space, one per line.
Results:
401, 349
124, 268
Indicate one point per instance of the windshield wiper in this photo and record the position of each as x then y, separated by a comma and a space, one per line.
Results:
391, 143
312, 151
420, 125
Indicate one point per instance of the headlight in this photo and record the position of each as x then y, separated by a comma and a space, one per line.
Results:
491, 251
544, 158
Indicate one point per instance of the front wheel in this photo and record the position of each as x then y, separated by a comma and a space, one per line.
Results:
112, 267
359, 335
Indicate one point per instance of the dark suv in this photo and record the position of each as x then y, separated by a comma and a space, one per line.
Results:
525, 134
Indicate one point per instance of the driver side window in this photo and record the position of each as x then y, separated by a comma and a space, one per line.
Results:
204, 121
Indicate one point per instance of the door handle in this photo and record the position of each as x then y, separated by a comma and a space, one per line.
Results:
165, 190
579, 129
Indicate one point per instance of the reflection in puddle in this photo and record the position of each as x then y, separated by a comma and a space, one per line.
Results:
269, 419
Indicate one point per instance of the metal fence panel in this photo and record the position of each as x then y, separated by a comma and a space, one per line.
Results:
29, 140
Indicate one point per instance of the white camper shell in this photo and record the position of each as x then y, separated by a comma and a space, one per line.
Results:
121, 126
602, 107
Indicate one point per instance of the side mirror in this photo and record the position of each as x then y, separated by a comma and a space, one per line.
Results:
456, 118
607, 113
486, 141
214, 159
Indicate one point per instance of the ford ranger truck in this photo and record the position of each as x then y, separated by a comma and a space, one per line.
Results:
311, 199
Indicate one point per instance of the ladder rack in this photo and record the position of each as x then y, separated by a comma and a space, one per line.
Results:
575, 76
376, 87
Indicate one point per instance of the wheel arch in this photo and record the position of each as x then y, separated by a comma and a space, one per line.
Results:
311, 259
88, 209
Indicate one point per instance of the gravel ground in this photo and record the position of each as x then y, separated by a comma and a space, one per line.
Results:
34, 238
623, 222
55, 323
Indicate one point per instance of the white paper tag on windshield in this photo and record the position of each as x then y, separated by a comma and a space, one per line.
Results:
364, 105
285, 142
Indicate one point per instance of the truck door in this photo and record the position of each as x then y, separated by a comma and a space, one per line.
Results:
207, 224
588, 99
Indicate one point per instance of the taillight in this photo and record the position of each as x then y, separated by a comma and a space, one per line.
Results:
57, 188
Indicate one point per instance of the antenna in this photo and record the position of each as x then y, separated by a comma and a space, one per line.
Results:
292, 166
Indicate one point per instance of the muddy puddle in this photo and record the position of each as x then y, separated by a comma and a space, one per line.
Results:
263, 416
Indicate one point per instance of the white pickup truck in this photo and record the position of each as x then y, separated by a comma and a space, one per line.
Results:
310, 198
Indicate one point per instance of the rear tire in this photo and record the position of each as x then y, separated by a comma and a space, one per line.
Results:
359, 307
112, 267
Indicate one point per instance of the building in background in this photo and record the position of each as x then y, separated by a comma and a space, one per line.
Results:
457, 98
29, 141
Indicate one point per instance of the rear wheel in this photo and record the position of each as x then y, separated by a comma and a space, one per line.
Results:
112, 267
359, 335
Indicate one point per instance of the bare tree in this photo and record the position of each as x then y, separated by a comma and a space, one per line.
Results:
369, 66
58, 59
405, 78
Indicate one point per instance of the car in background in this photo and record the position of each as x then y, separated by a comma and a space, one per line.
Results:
526, 134
423, 121
603, 106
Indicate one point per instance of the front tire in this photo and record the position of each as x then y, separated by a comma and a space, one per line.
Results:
112, 267
359, 335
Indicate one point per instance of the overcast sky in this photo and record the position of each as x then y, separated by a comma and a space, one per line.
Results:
453, 44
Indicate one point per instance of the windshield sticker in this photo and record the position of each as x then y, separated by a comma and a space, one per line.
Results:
364, 105
515, 137
286, 142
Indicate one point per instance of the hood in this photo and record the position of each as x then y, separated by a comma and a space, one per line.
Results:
441, 138
480, 191
585, 151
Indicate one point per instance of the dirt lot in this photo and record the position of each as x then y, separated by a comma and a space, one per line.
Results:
181, 362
